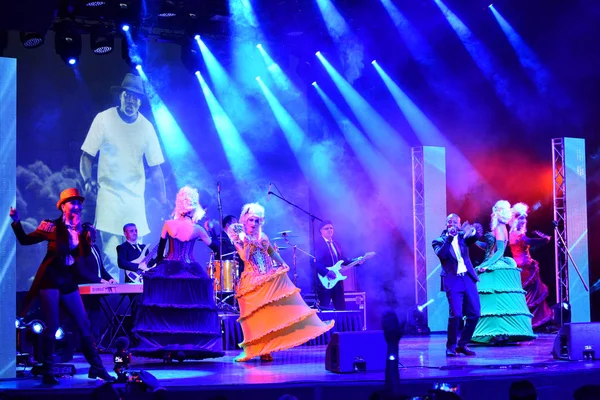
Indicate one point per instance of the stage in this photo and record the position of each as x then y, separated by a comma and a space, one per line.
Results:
301, 372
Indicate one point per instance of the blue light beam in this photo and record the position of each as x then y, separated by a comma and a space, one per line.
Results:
350, 48
186, 165
380, 132
538, 74
243, 163
314, 159
429, 134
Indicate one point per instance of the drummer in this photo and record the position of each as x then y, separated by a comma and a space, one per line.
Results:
229, 252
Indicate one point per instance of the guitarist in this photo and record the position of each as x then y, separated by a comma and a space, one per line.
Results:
327, 253
131, 250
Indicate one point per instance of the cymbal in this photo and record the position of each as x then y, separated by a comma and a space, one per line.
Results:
283, 233
283, 238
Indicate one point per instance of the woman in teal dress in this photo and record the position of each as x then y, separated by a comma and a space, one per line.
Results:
505, 317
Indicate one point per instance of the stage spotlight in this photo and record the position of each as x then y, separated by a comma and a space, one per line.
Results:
191, 57
318, 53
94, 3
168, 9
196, 37
259, 46
102, 39
125, 28
138, 67
19, 323
257, 78
60, 334
37, 327
314, 83
31, 40
67, 43
373, 62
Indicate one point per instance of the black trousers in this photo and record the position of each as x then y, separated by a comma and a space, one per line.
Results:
336, 294
463, 300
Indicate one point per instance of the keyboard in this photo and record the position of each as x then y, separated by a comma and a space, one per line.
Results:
119, 288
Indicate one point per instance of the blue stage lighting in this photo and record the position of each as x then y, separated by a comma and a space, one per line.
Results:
37, 327
318, 53
197, 37
72, 61
60, 334
138, 67
314, 84
258, 78
259, 46
125, 28
374, 62
197, 73
491, 5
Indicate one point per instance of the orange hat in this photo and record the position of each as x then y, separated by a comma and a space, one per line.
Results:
68, 195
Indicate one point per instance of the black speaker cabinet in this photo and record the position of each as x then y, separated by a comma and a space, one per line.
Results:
578, 341
356, 352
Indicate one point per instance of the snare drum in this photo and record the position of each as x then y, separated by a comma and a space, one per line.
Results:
230, 274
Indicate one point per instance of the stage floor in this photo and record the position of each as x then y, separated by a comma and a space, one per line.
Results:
301, 371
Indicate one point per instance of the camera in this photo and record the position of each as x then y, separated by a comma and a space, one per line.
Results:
122, 359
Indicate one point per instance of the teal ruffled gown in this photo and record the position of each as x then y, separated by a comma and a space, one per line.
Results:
505, 317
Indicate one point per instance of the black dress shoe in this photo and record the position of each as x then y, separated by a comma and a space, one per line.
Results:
451, 353
49, 379
465, 350
100, 373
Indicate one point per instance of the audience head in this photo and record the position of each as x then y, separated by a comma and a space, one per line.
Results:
522, 390
587, 392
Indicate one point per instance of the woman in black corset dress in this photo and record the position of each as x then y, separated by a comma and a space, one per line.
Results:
178, 316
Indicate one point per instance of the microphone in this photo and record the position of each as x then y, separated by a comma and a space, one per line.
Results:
269, 191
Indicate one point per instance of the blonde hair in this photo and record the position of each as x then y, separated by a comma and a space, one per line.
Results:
500, 204
518, 210
187, 204
253, 210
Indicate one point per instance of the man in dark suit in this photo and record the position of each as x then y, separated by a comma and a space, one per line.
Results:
129, 251
327, 253
459, 282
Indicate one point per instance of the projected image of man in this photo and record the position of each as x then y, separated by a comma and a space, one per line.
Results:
122, 137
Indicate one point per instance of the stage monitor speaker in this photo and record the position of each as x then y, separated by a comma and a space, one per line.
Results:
356, 352
578, 341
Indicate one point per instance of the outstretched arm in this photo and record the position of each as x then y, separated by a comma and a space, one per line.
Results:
34, 237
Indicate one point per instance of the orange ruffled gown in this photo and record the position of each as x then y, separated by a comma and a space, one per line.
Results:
273, 315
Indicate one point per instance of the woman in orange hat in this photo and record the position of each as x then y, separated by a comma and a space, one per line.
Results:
55, 280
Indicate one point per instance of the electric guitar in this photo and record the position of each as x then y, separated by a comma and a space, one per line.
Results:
329, 283
144, 257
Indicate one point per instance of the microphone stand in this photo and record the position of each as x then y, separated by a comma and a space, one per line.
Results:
294, 257
220, 207
313, 258
564, 245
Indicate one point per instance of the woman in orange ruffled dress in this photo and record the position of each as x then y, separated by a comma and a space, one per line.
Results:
273, 315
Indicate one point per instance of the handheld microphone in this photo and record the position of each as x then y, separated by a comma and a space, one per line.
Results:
269, 191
